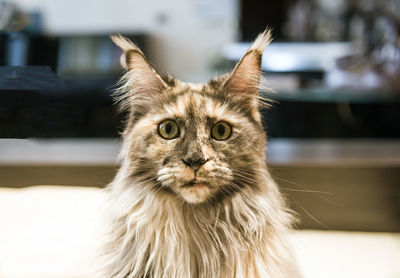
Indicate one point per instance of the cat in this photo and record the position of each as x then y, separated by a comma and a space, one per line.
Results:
193, 196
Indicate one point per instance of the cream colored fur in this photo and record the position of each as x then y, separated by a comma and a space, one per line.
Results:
160, 235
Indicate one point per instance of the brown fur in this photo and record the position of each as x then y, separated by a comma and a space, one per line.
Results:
224, 216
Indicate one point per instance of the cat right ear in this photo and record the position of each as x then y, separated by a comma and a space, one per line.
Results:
244, 81
140, 74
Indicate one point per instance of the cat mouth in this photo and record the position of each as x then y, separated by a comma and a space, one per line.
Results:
197, 184
196, 191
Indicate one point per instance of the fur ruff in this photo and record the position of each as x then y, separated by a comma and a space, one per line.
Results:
156, 236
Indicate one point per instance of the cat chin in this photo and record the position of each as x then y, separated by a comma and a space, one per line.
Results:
196, 194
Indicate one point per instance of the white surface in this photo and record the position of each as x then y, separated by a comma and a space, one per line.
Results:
347, 254
53, 232
49, 232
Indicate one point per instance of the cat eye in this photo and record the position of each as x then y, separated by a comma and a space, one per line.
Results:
221, 131
168, 129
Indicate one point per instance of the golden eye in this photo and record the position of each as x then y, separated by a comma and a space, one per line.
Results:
221, 131
168, 129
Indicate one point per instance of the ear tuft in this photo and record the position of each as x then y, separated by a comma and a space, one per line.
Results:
127, 47
124, 43
262, 41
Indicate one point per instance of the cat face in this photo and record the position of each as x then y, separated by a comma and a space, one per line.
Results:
196, 146
195, 143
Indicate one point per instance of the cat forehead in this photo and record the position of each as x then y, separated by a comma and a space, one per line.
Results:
195, 103
192, 105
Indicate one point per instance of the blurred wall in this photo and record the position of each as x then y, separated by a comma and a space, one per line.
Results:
185, 35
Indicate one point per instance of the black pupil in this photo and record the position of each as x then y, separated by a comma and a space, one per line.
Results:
168, 128
221, 130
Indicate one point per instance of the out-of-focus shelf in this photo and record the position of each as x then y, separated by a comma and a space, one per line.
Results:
291, 60
284, 56
59, 151
336, 96
341, 152
357, 152
344, 184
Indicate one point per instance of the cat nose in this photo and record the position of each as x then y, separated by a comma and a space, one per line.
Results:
194, 162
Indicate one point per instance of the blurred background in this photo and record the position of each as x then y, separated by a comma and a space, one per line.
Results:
333, 128
335, 66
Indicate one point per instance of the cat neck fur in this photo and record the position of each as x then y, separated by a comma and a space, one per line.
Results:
158, 236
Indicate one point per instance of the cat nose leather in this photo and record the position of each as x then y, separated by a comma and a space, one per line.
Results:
194, 162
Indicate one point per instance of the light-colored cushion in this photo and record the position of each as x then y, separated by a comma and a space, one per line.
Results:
49, 231
53, 232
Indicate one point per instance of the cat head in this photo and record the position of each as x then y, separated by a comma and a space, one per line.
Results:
196, 143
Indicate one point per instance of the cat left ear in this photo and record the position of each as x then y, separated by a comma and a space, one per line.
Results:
141, 73
245, 78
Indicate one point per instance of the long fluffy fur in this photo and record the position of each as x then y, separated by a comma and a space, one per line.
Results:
152, 234
242, 238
